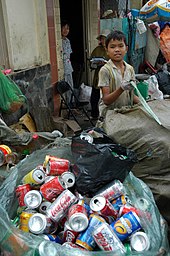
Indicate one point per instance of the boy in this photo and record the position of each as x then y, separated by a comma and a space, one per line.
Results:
116, 74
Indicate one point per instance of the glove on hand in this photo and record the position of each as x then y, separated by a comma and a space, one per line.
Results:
126, 86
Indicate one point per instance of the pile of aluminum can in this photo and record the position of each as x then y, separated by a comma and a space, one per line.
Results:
51, 207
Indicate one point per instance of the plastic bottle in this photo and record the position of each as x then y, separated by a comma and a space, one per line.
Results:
141, 26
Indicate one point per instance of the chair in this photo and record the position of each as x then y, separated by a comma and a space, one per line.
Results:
62, 87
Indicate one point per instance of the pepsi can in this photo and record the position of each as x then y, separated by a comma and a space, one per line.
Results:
126, 225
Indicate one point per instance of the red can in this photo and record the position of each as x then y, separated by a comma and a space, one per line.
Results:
77, 217
60, 206
52, 188
102, 206
55, 165
69, 234
21, 191
112, 190
127, 208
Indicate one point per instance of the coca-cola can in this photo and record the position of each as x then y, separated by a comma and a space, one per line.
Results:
77, 217
21, 191
102, 206
55, 165
69, 179
69, 234
51, 189
44, 206
60, 206
106, 239
33, 199
112, 190
36, 176
127, 208
40, 223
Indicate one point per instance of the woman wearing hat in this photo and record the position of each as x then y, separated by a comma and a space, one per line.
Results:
98, 52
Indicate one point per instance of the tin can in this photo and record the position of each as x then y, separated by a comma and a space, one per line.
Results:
127, 208
139, 242
24, 219
55, 165
112, 190
40, 223
126, 225
36, 176
118, 202
86, 206
11, 158
87, 137
44, 206
53, 237
46, 248
102, 206
4, 151
48, 178
69, 179
60, 206
77, 217
20, 192
72, 245
33, 199
142, 204
69, 234
51, 189
85, 238
106, 239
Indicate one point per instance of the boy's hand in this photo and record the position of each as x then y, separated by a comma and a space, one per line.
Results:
126, 86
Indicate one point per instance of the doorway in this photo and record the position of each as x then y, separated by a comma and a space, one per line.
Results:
72, 11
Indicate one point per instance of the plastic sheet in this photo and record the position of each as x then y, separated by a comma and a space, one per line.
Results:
15, 242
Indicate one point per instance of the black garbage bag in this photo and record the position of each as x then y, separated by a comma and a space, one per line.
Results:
100, 162
163, 81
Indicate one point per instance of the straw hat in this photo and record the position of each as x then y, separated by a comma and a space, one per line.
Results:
103, 33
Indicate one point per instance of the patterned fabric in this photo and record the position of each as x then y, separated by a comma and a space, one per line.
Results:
66, 56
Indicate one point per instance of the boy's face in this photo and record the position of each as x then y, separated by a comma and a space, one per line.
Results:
116, 50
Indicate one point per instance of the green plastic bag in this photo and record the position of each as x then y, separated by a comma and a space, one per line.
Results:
11, 97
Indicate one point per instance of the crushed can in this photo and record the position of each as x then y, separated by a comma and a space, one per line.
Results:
51, 189
106, 239
77, 217
55, 166
126, 225
36, 176
60, 206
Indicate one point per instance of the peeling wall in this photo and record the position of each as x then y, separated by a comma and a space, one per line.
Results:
26, 33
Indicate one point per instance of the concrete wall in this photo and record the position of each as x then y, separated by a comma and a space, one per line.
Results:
26, 33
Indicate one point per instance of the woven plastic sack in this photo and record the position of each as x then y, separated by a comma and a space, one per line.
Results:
15, 242
11, 97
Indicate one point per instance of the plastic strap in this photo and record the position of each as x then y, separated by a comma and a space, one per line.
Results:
145, 105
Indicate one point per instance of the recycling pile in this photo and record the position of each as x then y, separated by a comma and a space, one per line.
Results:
49, 206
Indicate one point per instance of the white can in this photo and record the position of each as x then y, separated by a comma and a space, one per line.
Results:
33, 199
69, 179
139, 242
